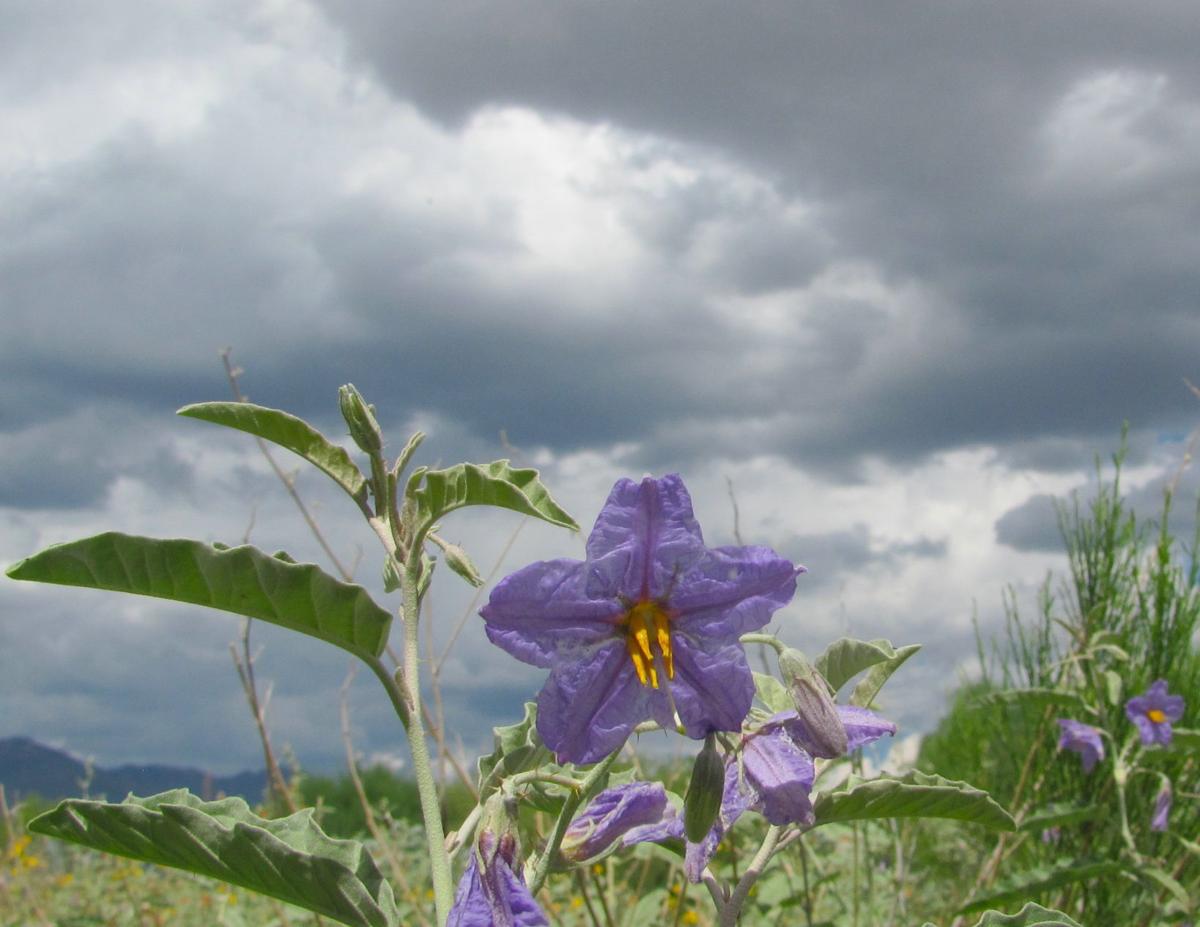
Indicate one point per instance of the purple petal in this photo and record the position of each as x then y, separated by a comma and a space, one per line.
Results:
862, 726
1162, 808
588, 708
541, 616
781, 775
712, 688
732, 591
644, 538
610, 815
668, 827
493, 899
1082, 739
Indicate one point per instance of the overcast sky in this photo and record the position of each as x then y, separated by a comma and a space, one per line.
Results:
897, 271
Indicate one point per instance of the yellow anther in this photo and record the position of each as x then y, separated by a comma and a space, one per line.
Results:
1156, 715
639, 621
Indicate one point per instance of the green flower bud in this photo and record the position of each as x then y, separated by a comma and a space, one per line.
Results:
364, 429
814, 704
456, 558
702, 803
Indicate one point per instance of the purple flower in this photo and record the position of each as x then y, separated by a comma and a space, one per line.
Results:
1153, 712
490, 893
777, 777
1083, 739
610, 815
644, 628
734, 802
1162, 807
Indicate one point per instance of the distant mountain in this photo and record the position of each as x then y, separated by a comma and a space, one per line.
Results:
29, 768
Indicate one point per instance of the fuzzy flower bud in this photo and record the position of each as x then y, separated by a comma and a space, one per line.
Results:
456, 558
364, 429
702, 802
826, 733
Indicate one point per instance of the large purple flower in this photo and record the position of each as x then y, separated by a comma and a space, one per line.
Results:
1083, 739
1153, 712
491, 892
644, 628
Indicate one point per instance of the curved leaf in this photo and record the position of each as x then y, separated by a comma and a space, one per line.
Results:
868, 687
915, 795
243, 580
1040, 880
290, 858
287, 431
1030, 914
846, 657
437, 492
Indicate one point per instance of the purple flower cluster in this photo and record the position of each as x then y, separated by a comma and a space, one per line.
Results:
491, 892
646, 627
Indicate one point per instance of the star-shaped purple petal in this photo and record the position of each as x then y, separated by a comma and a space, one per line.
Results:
1153, 713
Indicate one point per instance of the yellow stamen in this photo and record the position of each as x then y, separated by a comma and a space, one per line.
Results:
1156, 715
643, 617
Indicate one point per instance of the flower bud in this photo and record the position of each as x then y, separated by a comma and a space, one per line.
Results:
456, 558
702, 802
364, 429
825, 734
610, 815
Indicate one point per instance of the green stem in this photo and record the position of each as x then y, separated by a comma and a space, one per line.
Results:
737, 898
542, 867
768, 639
439, 860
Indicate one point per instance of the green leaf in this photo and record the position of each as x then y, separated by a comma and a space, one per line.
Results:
915, 795
772, 693
290, 858
1036, 698
1059, 813
243, 580
1028, 915
846, 657
1017, 887
1113, 686
868, 687
1165, 881
287, 431
437, 492
517, 748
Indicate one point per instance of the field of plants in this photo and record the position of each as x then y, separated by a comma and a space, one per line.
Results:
1060, 788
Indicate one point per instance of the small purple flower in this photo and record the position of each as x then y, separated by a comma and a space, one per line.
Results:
645, 627
1051, 834
1083, 739
491, 893
610, 815
777, 777
1153, 713
1162, 807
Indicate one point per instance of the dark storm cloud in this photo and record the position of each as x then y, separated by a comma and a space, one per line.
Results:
1064, 304
1032, 525
835, 556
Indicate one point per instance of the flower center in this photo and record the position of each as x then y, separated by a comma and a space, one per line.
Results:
647, 626
1156, 715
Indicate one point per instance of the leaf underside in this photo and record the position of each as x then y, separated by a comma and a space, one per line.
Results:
287, 431
915, 795
242, 580
438, 492
290, 858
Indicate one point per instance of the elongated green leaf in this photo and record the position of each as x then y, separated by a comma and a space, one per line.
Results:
1060, 813
868, 687
437, 492
1020, 886
243, 580
1036, 698
291, 858
287, 431
1028, 915
1164, 880
846, 657
1184, 739
915, 795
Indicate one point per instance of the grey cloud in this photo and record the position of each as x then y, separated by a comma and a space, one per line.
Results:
1032, 525
833, 557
